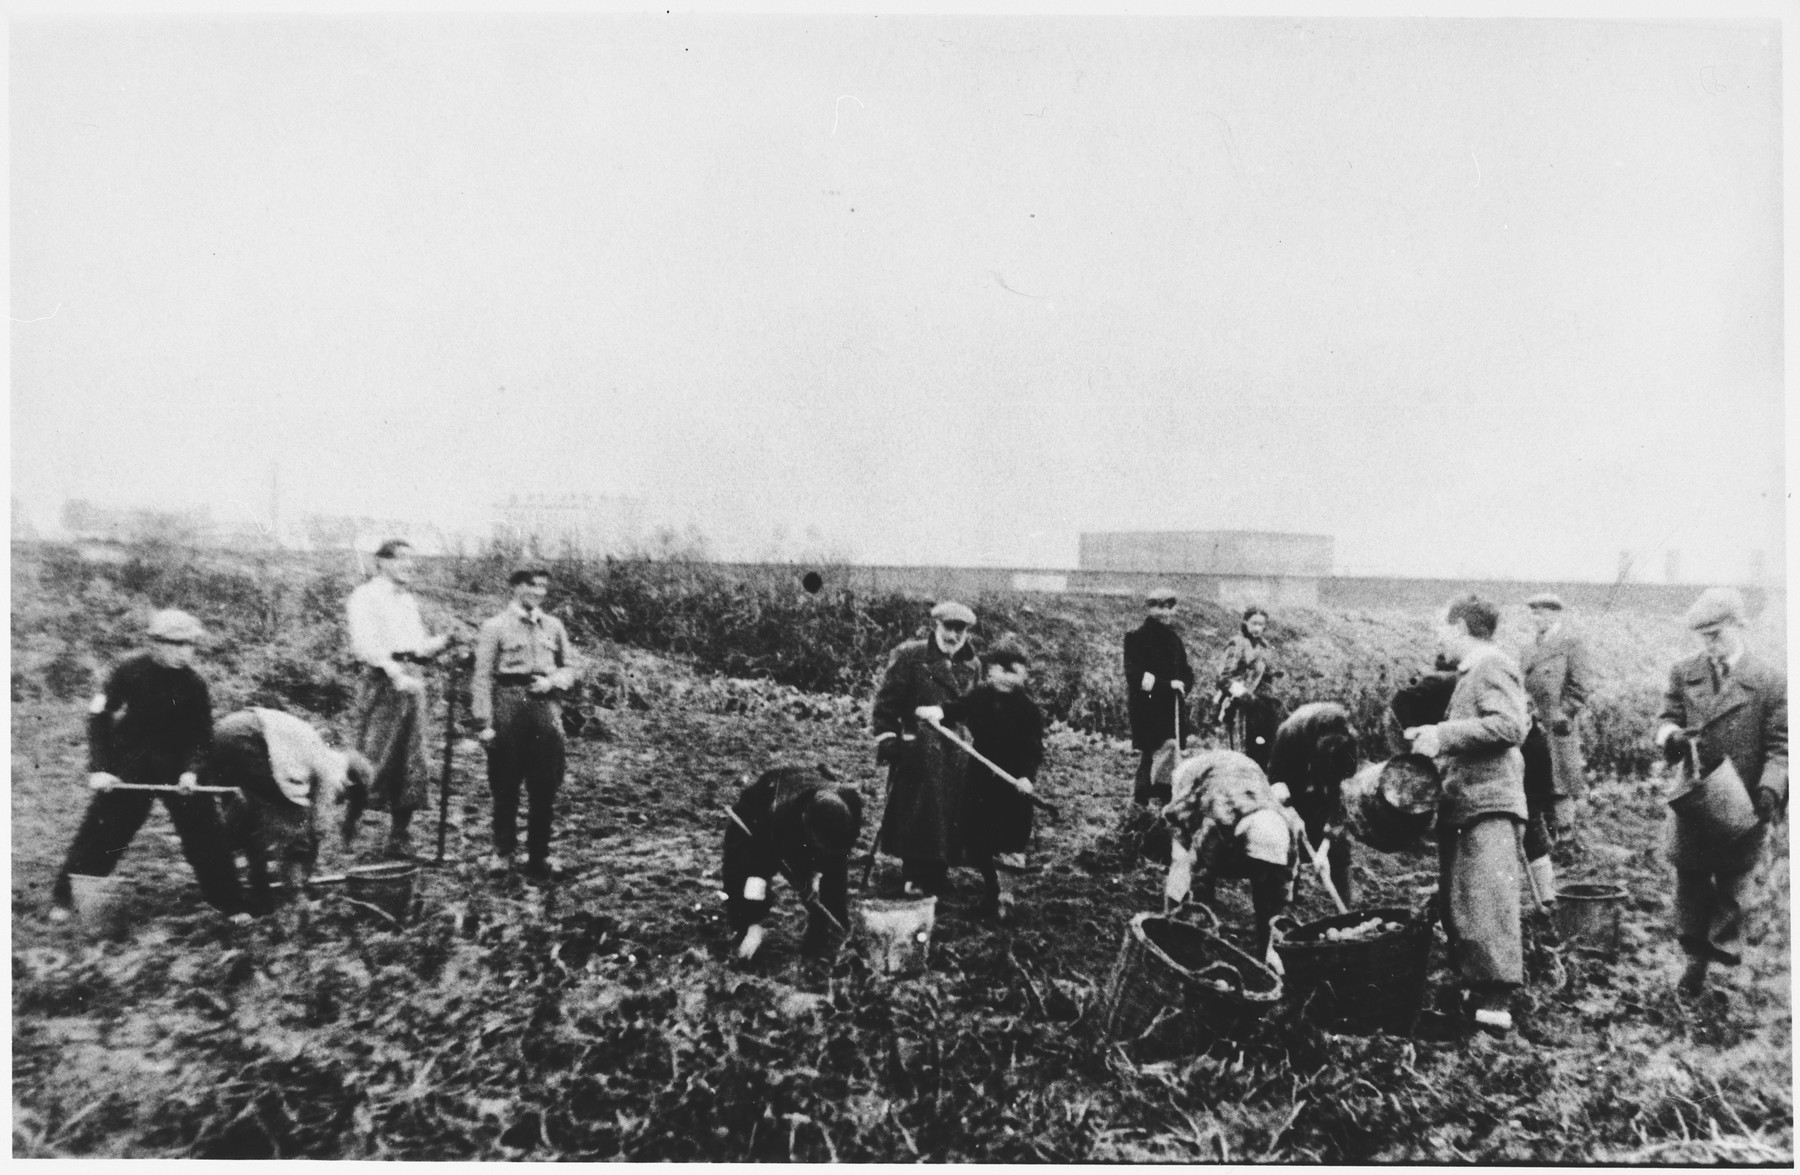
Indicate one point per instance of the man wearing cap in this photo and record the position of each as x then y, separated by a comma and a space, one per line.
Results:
1558, 678
1724, 704
388, 717
1157, 679
922, 820
1482, 809
796, 822
152, 724
523, 664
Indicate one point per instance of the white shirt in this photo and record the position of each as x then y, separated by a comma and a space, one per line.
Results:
384, 620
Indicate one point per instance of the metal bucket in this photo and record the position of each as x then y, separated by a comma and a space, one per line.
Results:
1717, 807
1590, 916
388, 887
895, 933
1391, 805
100, 904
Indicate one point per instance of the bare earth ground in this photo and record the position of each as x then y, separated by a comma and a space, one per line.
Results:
601, 1019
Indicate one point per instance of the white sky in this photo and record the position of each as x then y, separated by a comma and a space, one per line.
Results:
1474, 297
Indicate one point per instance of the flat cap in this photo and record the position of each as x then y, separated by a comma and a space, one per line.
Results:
1546, 600
954, 613
1158, 592
1716, 606
527, 571
392, 548
172, 624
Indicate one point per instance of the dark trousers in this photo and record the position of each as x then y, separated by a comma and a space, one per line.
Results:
1709, 913
113, 819
1141, 791
527, 747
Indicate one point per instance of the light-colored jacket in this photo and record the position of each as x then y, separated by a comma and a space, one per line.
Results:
1478, 741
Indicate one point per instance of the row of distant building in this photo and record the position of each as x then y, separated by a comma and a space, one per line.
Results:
1226, 566
545, 524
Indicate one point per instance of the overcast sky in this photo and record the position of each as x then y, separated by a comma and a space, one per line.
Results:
1474, 297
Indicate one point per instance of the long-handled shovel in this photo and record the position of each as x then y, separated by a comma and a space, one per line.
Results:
887, 808
170, 787
455, 662
1046, 805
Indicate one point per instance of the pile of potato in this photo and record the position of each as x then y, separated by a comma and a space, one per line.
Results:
1366, 929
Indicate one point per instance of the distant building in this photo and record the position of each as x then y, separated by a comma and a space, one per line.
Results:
1229, 566
570, 524
88, 522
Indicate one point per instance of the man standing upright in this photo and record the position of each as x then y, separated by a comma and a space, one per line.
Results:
1724, 704
1558, 679
1157, 679
523, 664
388, 717
1483, 807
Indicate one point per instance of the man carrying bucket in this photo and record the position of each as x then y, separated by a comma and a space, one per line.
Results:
796, 822
1724, 726
152, 725
1483, 807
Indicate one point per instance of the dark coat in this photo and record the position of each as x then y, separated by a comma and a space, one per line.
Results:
1314, 788
151, 723
1153, 647
927, 778
774, 809
1743, 719
1009, 729
1559, 679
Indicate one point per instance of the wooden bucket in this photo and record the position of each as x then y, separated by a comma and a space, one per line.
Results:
100, 904
1590, 917
895, 933
1189, 972
1362, 985
388, 886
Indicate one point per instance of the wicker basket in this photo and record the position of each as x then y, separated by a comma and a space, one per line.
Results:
1374, 984
1169, 966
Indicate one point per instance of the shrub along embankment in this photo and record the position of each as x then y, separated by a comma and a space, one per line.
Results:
278, 635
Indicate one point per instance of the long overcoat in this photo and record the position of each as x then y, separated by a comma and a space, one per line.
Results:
1558, 678
1155, 648
927, 778
1742, 718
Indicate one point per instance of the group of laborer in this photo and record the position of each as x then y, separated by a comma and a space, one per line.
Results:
151, 733
962, 742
